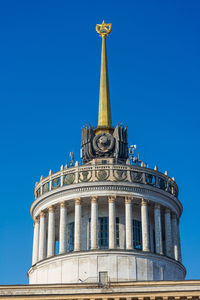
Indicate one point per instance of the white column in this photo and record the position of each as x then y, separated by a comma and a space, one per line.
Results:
179, 244
51, 232
36, 241
145, 226
112, 221
77, 226
175, 236
42, 237
129, 222
168, 233
63, 228
94, 223
158, 229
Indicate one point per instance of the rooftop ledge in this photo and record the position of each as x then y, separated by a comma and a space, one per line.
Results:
141, 289
109, 172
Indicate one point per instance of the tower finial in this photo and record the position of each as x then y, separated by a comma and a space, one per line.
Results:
104, 117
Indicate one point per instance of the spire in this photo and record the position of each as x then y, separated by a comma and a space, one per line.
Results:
104, 117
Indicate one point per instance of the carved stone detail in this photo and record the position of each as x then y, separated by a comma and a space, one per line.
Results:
42, 214
63, 204
128, 200
150, 179
46, 187
94, 199
56, 183
102, 174
144, 202
69, 179
120, 174
85, 176
111, 199
51, 209
78, 201
136, 176
36, 220
103, 144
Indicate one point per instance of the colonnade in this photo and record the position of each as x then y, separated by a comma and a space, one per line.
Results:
43, 247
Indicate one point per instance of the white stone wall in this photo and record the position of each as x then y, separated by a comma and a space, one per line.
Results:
120, 265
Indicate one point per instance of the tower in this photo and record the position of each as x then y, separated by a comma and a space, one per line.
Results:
112, 219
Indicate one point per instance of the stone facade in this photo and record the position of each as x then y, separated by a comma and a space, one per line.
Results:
148, 290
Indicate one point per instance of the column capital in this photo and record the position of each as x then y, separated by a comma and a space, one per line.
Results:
144, 202
77, 201
42, 214
157, 206
51, 208
36, 220
94, 199
128, 200
63, 204
111, 199
167, 210
174, 216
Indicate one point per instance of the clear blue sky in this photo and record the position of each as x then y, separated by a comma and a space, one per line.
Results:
49, 86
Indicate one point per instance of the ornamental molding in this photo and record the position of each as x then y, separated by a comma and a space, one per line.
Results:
68, 193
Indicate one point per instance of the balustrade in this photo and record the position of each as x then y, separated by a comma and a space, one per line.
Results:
80, 174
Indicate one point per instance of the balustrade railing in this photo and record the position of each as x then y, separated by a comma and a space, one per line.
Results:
108, 172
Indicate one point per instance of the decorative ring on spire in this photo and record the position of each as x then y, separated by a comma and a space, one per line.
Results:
103, 29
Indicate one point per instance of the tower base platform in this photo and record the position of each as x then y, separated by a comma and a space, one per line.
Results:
107, 266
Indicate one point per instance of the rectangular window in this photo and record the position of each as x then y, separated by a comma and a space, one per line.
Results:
154, 241
137, 234
103, 278
70, 237
103, 232
117, 231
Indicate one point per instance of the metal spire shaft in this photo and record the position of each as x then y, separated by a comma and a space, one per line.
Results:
104, 116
